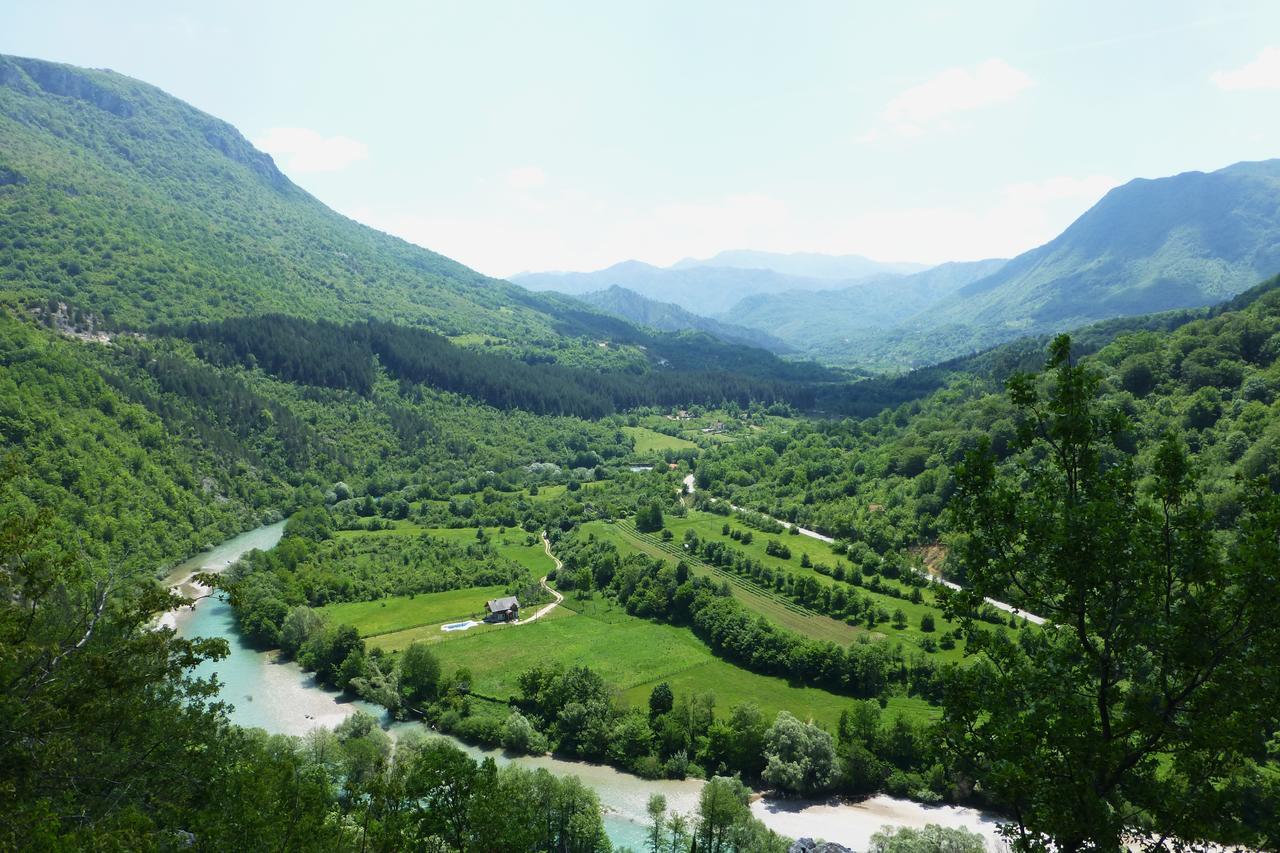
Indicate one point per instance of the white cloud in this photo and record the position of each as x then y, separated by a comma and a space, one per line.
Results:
526, 178
1262, 73
304, 150
926, 106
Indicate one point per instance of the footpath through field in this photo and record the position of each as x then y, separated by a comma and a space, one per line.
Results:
546, 544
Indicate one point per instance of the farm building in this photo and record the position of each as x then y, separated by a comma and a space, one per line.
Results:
503, 609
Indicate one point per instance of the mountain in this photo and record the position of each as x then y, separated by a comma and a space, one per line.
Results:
122, 202
822, 322
669, 317
802, 264
1151, 245
1188, 240
702, 290
117, 196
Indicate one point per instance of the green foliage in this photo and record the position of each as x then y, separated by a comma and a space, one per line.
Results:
930, 839
649, 518
88, 686
800, 757
1133, 712
419, 674
847, 479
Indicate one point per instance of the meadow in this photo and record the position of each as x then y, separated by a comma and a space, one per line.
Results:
650, 441
631, 653
401, 612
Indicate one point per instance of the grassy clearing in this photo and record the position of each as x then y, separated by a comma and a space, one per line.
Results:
401, 612
547, 493
513, 543
396, 641
650, 441
633, 654
475, 339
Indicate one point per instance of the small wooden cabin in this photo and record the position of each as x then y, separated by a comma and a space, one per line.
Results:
503, 609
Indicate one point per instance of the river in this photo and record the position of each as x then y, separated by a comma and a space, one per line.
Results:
268, 693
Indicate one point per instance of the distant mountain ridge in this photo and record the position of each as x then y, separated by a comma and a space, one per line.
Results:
707, 289
1151, 245
669, 317
803, 264
823, 322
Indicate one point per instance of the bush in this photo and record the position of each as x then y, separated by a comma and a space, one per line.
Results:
520, 735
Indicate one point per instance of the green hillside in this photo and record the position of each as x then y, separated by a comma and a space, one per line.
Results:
123, 200
885, 480
829, 324
128, 205
670, 317
1151, 245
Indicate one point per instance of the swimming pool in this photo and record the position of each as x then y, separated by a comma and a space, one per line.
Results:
459, 626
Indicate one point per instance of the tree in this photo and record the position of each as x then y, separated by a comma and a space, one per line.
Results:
800, 757
649, 519
661, 700
419, 674
927, 624
300, 624
930, 839
1152, 684
722, 803
899, 619
657, 809
678, 826
519, 735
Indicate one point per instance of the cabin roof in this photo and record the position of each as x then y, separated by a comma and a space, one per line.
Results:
498, 605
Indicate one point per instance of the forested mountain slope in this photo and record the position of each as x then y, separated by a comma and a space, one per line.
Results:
670, 317
123, 200
125, 203
1151, 245
828, 323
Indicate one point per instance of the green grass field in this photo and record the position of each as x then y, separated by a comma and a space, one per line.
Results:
634, 654
772, 607
510, 544
709, 526
650, 441
400, 612
546, 493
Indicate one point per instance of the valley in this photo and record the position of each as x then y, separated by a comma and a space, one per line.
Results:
794, 540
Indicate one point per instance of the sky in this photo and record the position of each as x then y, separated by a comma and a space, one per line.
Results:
545, 135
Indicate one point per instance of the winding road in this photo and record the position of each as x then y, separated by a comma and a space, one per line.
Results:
546, 544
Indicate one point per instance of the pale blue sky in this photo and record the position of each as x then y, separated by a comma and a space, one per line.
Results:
524, 135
